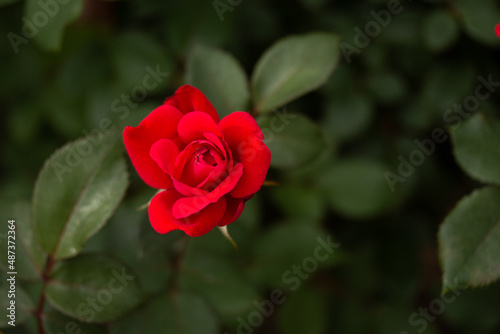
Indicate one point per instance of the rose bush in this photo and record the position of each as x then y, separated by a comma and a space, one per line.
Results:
207, 167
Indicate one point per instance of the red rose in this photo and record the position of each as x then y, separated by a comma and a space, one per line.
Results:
208, 168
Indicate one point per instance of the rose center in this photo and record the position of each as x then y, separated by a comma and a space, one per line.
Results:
206, 157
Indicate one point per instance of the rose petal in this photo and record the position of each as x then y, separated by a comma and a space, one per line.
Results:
162, 220
234, 208
244, 137
161, 123
193, 125
196, 170
189, 205
216, 176
187, 190
188, 98
182, 171
216, 141
164, 152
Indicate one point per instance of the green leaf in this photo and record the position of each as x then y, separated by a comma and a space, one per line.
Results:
76, 192
480, 21
46, 23
440, 30
220, 77
387, 87
469, 241
347, 116
298, 201
30, 257
293, 67
230, 293
476, 145
94, 288
55, 322
312, 309
141, 65
474, 319
166, 313
23, 303
357, 188
293, 244
293, 139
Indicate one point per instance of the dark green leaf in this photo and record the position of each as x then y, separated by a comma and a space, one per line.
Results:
211, 275
293, 139
293, 67
440, 30
46, 24
94, 288
180, 313
141, 65
469, 241
312, 309
357, 188
347, 116
293, 244
55, 322
77, 191
300, 202
476, 144
480, 21
220, 77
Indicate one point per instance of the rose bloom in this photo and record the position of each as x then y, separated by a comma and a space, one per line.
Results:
206, 167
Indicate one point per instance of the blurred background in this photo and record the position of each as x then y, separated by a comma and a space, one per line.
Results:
389, 89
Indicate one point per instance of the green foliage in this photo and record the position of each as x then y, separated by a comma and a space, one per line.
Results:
93, 288
479, 20
440, 30
76, 192
55, 322
29, 254
47, 24
357, 188
313, 315
470, 241
183, 313
293, 139
477, 147
220, 77
356, 116
293, 67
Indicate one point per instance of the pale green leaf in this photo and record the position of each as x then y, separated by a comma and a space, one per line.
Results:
293, 67
469, 241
